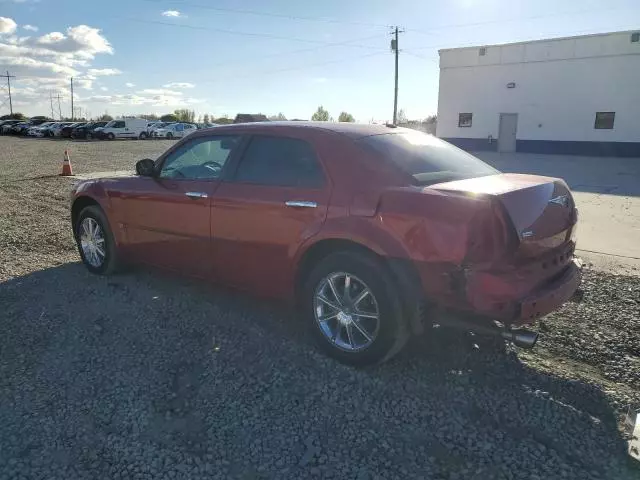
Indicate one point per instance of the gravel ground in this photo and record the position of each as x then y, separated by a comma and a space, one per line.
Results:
30, 157
144, 375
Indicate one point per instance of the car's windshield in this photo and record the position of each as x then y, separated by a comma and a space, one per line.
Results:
428, 159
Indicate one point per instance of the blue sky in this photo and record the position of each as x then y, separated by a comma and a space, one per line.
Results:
224, 56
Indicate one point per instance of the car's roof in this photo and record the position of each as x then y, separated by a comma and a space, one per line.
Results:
355, 130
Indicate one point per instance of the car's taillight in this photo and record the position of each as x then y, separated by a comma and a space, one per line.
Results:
491, 235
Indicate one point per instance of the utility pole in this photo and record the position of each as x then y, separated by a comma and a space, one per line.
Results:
9, 77
59, 109
72, 113
395, 48
51, 101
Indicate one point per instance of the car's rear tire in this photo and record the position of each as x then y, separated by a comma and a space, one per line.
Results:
169, 135
89, 136
362, 327
96, 242
143, 136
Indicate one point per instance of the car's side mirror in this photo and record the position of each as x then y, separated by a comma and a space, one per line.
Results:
146, 167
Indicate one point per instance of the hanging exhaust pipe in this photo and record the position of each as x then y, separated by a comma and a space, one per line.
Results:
521, 338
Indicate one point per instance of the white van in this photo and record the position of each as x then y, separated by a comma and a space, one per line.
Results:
125, 128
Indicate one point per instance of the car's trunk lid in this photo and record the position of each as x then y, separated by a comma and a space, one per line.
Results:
541, 209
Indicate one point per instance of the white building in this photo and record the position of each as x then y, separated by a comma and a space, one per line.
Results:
575, 95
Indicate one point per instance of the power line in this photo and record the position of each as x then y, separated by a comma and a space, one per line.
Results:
426, 31
422, 57
291, 52
276, 15
237, 32
289, 69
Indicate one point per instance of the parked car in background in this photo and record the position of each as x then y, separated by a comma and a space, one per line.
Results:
281, 210
40, 130
66, 131
20, 128
125, 128
5, 126
175, 130
87, 130
206, 125
55, 130
156, 125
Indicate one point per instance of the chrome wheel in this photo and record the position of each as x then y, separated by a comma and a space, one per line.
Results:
92, 242
346, 311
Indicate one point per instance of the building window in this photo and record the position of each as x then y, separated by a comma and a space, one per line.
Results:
604, 120
483, 51
465, 119
635, 37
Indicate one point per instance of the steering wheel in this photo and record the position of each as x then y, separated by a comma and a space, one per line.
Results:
212, 165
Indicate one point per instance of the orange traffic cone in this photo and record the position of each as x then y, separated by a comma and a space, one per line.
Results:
66, 166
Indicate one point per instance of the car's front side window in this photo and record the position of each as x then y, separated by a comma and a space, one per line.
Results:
200, 159
280, 161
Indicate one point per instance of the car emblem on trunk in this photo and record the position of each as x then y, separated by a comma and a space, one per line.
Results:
561, 200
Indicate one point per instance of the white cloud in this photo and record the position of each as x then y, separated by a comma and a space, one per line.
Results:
81, 39
31, 28
104, 89
171, 13
160, 91
179, 85
130, 85
7, 25
86, 83
143, 98
44, 63
25, 67
103, 72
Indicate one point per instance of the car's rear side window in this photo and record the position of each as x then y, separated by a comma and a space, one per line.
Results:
428, 159
280, 161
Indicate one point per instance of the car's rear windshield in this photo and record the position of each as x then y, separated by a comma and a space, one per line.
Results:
428, 159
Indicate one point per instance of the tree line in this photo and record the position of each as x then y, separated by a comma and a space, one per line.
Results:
189, 116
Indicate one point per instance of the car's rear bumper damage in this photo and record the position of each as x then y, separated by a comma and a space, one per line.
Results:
500, 301
517, 299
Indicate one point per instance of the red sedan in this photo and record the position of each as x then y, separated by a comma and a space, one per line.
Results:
373, 231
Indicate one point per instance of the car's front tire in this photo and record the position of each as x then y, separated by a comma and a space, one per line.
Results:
96, 242
354, 309
169, 135
111, 136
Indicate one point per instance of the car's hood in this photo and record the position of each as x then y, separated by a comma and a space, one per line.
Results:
109, 180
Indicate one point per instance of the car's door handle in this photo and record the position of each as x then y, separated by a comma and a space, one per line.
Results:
196, 195
300, 204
